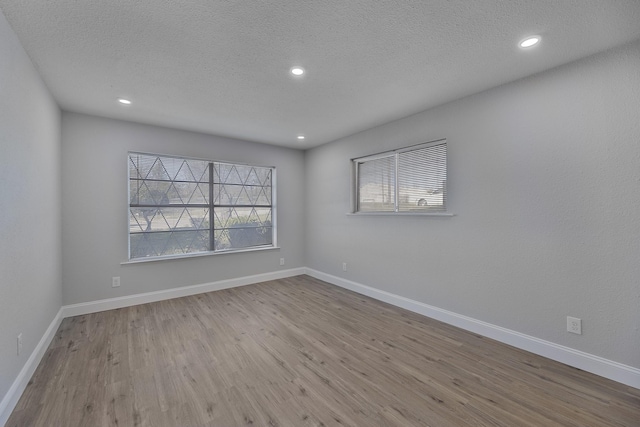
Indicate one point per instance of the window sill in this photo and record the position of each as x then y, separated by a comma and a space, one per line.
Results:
441, 214
196, 255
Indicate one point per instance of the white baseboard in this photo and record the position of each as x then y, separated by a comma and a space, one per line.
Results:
17, 388
10, 400
615, 371
130, 300
597, 365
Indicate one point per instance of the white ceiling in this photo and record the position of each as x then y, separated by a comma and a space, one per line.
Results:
222, 66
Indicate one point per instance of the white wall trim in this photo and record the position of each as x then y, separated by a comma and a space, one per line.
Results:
597, 365
615, 371
130, 300
10, 400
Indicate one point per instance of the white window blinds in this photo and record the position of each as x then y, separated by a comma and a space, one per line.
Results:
376, 184
411, 179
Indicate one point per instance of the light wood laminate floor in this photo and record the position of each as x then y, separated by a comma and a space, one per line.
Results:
300, 352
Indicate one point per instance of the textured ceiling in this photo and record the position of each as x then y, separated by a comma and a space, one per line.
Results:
222, 67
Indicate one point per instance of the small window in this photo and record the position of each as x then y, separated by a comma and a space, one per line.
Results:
411, 179
180, 206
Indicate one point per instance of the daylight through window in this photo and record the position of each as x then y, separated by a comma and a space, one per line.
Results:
182, 206
412, 179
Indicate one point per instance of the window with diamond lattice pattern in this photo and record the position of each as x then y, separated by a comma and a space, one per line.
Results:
181, 206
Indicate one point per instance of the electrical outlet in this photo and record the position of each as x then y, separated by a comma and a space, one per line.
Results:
115, 282
281, 261
574, 325
19, 343
344, 266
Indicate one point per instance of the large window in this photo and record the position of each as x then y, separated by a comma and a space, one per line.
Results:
412, 179
181, 206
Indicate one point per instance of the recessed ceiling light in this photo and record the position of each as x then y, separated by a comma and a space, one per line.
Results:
297, 71
530, 41
300, 137
124, 101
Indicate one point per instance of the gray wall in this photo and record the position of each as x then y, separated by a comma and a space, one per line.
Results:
544, 177
94, 195
29, 206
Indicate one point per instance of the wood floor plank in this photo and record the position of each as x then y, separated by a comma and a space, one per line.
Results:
300, 352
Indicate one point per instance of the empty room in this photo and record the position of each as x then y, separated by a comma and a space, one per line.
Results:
320, 213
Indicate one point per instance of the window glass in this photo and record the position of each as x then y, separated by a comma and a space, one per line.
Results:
172, 201
412, 179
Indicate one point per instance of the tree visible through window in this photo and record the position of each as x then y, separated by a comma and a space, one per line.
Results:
183, 206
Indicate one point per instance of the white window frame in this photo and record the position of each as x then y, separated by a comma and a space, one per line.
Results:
355, 187
212, 208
